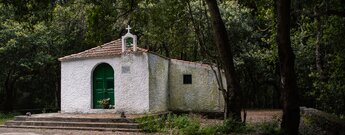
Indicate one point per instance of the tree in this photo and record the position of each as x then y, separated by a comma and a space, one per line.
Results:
31, 75
289, 91
320, 28
157, 25
34, 34
232, 93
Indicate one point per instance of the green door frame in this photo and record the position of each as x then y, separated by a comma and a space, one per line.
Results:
102, 85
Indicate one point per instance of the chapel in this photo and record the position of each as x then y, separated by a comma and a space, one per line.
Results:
136, 81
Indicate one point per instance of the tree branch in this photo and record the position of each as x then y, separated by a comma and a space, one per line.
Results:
334, 13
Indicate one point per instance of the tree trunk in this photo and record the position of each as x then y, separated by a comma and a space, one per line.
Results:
166, 49
291, 116
9, 86
318, 54
57, 94
233, 103
196, 31
9, 98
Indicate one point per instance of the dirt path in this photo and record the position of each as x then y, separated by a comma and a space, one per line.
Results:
257, 116
23, 131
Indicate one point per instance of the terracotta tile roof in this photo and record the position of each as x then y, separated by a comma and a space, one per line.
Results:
112, 48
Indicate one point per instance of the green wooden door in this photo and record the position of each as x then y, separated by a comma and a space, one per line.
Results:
103, 84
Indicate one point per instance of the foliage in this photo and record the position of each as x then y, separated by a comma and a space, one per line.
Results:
232, 126
105, 103
150, 124
34, 34
320, 88
189, 125
172, 121
209, 130
270, 128
6, 117
29, 55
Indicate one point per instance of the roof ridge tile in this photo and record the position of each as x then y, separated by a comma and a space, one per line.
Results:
112, 48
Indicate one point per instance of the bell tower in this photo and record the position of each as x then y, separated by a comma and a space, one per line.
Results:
126, 40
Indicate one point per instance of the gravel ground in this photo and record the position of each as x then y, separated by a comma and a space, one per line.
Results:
22, 131
258, 116
253, 117
92, 115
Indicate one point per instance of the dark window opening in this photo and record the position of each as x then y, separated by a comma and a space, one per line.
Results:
129, 42
187, 79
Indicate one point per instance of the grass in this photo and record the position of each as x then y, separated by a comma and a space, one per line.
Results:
6, 117
189, 125
270, 128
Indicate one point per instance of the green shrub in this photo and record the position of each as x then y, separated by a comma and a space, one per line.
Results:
270, 128
189, 125
209, 130
179, 122
232, 126
182, 124
151, 124
6, 117
192, 128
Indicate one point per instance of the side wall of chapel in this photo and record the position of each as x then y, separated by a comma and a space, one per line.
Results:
199, 95
158, 82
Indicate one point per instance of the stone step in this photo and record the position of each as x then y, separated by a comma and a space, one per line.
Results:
72, 124
76, 128
64, 119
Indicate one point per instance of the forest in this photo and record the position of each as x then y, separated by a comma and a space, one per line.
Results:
34, 34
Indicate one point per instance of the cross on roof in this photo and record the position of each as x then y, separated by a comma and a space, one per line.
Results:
129, 29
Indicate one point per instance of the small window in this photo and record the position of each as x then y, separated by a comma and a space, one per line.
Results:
129, 42
187, 79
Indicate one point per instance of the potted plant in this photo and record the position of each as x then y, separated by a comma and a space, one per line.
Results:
105, 103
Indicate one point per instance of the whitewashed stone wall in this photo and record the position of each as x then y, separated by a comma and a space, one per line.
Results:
200, 96
134, 86
159, 71
131, 88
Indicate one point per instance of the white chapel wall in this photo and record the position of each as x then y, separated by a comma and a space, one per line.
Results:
200, 96
134, 84
76, 84
131, 88
159, 71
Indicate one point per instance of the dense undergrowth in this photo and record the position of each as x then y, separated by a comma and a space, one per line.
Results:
191, 125
6, 117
